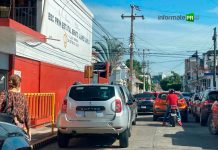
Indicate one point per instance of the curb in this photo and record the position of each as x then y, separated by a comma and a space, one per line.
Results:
45, 141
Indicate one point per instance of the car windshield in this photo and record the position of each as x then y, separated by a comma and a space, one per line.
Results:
144, 95
163, 96
91, 93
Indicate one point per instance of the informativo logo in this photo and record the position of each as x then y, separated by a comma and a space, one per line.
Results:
188, 17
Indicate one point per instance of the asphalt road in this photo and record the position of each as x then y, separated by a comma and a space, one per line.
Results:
150, 135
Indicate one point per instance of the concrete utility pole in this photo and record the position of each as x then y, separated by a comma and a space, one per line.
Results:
197, 71
132, 17
143, 65
148, 75
214, 63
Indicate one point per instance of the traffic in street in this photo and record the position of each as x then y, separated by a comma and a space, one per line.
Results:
113, 74
151, 135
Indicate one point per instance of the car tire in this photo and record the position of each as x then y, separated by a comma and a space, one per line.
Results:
197, 119
134, 121
63, 139
124, 139
211, 126
185, 117
155, 117
203, 122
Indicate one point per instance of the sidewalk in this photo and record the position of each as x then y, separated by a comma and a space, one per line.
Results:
42, 135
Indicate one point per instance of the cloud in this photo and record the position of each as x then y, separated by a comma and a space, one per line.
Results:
158, 35
214, 10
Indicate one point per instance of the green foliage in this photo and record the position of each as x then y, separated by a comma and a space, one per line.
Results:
110, 50
137, 66
171, 82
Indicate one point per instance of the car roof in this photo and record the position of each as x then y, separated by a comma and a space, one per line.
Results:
108, 85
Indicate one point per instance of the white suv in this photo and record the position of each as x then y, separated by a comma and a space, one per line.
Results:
94, 109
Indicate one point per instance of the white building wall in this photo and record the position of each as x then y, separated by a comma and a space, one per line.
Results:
68, 28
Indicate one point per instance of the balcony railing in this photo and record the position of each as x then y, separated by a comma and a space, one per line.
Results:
23, 15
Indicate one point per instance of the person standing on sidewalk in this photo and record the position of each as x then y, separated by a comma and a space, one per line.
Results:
17, 103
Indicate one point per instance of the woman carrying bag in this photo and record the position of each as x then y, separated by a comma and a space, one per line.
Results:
13, 104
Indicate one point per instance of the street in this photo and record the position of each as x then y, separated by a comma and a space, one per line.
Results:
150, 135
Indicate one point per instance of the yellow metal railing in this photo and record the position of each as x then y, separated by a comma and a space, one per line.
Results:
41, 108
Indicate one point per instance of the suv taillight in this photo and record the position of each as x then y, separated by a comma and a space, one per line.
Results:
118, 106
64, 106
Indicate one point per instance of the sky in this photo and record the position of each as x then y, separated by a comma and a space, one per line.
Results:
178, 38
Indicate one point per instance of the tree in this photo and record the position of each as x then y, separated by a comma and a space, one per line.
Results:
111, 50
171, 82
137, 67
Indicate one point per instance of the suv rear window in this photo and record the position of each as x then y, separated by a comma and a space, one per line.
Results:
163, 96
91, 93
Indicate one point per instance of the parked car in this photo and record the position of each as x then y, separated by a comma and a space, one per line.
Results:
13, 138
213, 119
131, 101
94, 109
160, 106
192, 103
145, 102
203, 106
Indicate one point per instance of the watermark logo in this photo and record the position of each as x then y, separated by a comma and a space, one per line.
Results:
190, 17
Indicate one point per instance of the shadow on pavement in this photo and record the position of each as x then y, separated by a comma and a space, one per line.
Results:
144, 118
93, 142
194, 135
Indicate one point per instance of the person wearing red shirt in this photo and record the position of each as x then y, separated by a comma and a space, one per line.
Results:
172, 99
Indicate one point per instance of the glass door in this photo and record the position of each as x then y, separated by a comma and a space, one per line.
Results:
3, 80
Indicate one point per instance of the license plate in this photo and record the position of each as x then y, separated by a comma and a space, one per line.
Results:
173, 114
143, 107
90, 108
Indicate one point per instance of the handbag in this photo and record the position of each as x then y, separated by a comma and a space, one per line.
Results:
5, 116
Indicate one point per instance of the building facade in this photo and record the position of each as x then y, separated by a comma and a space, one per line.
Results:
46, 42
199, 72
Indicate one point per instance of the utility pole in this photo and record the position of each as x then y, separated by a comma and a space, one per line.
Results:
214, 75
132, 17
143, 65
197, 71
148, 75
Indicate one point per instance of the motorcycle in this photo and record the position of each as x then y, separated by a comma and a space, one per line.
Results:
173, 118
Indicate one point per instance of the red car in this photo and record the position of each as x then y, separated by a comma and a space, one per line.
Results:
213, 119
160, 106
203, 106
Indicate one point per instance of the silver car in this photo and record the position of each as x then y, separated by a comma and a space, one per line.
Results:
94, 109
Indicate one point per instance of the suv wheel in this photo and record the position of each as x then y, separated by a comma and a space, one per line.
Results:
211, 126
63, 139
197, 119
124, 139
203, 121
134, 121
185, 117
154, 117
